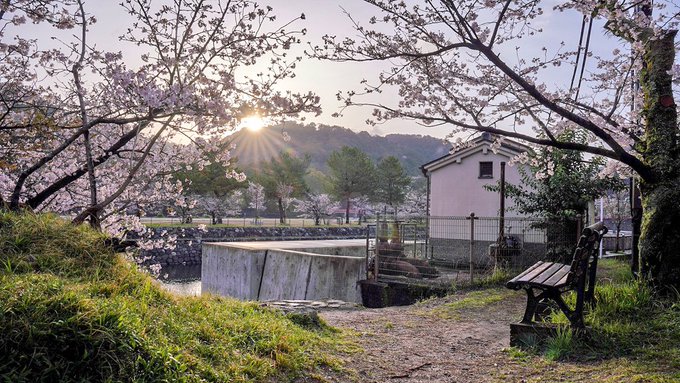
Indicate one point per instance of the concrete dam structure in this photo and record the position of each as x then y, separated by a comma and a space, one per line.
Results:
277, 270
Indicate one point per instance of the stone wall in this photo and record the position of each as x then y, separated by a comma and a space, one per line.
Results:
189, 240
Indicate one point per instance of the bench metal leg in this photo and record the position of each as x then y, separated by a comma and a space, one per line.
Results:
530, 310
532, 304
575, 316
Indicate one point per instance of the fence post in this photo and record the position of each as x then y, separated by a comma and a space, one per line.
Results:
472, 219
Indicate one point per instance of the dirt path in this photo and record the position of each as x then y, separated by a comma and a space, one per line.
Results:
459, 338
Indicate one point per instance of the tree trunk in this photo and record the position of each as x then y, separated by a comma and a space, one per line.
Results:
347, 211
282, 211
660, 235
660, 232
618, 234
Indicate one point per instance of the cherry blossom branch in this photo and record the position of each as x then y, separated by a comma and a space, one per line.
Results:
66, 180
94, 210
501, 15
626, 158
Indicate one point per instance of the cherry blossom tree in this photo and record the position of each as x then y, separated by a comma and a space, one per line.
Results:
617, 209
363, 206
415, 203
317, 206
86, 129
255, 195
479, 66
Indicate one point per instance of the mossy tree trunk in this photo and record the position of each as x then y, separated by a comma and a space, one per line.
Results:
660, 234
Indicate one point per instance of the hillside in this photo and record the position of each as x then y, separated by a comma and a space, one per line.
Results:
320, 140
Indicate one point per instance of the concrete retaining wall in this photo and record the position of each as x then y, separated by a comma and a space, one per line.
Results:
284, 270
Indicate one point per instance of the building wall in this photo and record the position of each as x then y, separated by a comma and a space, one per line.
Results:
457, 190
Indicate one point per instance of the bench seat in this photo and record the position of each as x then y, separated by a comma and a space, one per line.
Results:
542, 274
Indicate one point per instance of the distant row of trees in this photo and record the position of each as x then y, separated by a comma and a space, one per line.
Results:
354, 181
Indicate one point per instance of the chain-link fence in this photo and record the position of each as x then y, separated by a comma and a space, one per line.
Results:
447, 249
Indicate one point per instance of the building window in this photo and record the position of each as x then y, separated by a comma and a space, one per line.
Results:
486, 170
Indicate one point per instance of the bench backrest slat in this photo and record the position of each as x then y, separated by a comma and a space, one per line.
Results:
587, 246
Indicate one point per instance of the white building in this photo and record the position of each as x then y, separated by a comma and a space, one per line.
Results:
456, 181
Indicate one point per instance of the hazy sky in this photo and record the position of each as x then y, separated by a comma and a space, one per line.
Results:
326, 78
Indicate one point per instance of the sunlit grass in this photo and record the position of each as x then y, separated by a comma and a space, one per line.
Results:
470, 300
72, 310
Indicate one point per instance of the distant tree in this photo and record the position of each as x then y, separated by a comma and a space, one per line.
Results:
255, 195
316, 206
211, 180
184, 205
364, 207
391, 183
216, 175
218, 207
415, 203
352, 174
283, 178
617, 209
559, 183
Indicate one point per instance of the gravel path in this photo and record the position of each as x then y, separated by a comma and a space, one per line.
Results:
452, 339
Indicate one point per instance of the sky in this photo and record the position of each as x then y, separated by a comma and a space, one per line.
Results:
327, 78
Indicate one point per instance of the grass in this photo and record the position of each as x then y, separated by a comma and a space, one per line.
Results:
497, 278
72, 310
472, 300
634, 334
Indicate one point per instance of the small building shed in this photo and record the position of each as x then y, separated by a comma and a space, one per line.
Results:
456, 181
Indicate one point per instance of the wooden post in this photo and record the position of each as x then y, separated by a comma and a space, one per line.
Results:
368, 242
472, 219
501, 221
636, 218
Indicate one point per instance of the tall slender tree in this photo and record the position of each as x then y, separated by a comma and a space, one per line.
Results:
392, 183
352, 174
283, 178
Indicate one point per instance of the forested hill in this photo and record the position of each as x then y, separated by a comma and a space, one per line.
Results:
320, 140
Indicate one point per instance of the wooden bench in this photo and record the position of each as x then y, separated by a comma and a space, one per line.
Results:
546, 281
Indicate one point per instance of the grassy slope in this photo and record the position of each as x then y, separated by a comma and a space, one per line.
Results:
72, 310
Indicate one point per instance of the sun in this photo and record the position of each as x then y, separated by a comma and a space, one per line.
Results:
253, 123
